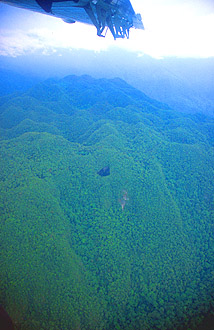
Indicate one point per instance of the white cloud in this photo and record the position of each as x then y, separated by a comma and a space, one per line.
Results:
16, 43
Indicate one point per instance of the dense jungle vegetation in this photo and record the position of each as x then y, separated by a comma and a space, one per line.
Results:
71, 257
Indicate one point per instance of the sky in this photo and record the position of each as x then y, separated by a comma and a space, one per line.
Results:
180, 28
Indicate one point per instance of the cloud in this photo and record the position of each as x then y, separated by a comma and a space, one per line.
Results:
16, 43
59, 35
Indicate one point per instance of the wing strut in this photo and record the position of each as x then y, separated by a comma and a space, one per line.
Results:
117, 15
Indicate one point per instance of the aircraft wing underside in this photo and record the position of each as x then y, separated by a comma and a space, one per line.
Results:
117, 15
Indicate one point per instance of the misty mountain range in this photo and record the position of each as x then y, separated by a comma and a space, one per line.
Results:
186, 85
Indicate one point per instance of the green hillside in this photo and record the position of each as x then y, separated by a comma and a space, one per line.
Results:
71, 257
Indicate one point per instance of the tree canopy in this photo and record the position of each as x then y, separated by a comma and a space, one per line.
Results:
71, 256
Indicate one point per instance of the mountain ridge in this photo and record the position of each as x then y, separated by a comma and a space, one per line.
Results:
186, 84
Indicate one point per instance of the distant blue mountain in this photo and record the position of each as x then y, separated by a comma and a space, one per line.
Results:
185, 84
85, 91
11, 82
88, 100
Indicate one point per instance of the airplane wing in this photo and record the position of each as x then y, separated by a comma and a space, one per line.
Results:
116, 15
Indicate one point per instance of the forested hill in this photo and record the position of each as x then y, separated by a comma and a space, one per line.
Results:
131, 250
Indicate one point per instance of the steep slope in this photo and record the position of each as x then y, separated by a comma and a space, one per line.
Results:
132, 250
